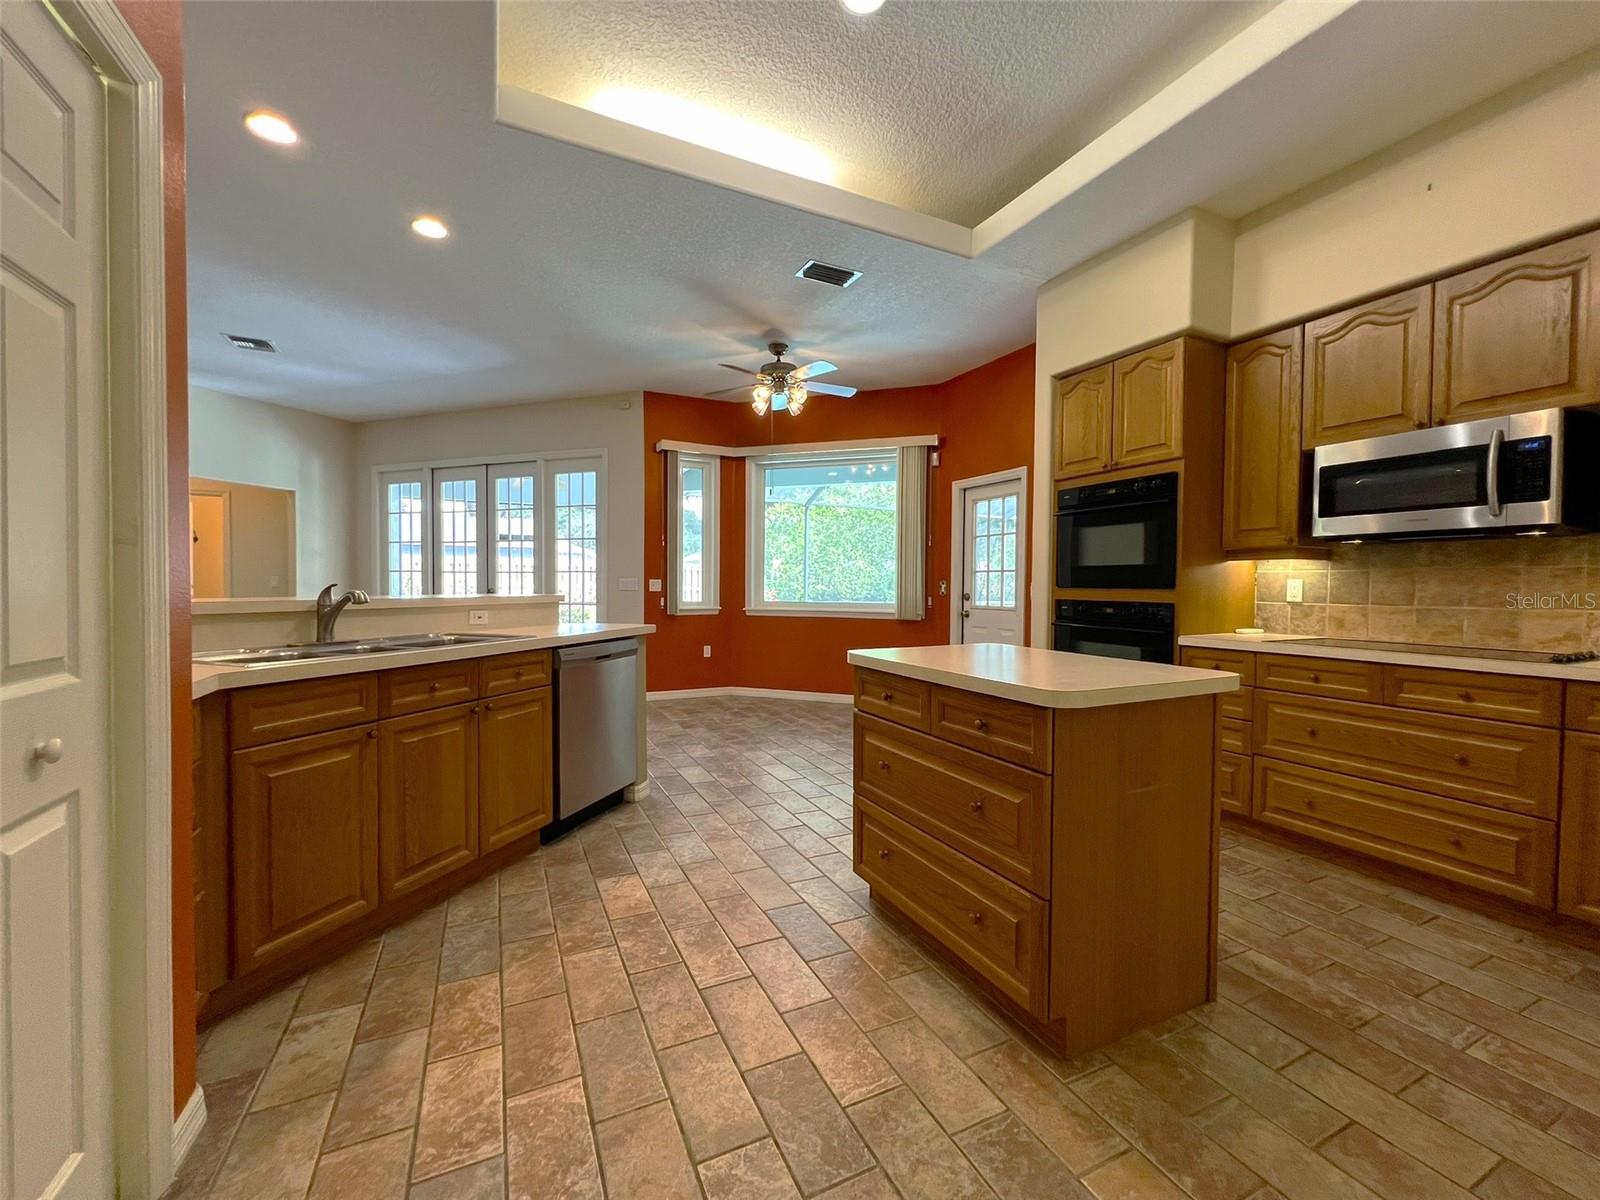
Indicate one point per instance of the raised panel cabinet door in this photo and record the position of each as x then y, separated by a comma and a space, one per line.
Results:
305, 841
428, 791
1261, 467
1083, 422
1368, 369
1519, 334
210, 844
516, 789
1147, 406
1578, 875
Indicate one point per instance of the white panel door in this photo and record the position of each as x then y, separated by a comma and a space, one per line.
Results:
991, 556
55, 1072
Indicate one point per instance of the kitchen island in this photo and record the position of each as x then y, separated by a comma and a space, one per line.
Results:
1047, 822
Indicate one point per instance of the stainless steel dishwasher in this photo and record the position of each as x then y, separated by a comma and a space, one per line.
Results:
597, 727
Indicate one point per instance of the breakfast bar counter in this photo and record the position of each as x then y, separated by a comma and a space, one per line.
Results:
1047, 822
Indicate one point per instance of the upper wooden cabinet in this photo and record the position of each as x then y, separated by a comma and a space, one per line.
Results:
1147, 406
1367, 369
1262, 473
1519, 334
1083, 422
428, 789
516, 789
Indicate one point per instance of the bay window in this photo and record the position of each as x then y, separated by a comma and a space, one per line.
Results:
692, 537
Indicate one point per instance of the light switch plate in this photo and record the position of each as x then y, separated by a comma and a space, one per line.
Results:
627, 585
705, 651
1295, 591
477, 616
655, 585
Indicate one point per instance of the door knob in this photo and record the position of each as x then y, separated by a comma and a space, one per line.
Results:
47, 751
965, 614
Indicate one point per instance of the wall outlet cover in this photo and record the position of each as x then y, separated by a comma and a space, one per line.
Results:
1295, 591
655, 585
705, 651
477, 616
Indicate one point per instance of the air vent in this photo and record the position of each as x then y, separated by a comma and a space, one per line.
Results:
823, 273
250, 343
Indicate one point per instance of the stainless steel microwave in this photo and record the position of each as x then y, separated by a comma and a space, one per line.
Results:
1534, 472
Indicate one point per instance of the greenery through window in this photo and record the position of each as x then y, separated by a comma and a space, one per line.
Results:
827, 531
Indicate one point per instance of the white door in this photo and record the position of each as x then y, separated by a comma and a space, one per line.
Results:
991, 596
55, 1061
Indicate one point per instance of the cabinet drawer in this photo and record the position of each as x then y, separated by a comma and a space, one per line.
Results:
514, 672
1513, 767
1583, 707
1233, 736
1018, 733
1505, 853
279, 711
1338, 678
436, 685
993, 925
895, 698
1242, 665
1516, 698
1238, 705
997, 814
1233, 783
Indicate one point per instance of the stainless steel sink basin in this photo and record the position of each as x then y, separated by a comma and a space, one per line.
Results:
380, 645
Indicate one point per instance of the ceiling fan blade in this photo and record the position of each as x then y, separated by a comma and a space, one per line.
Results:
821, 367
830, 389
741, 370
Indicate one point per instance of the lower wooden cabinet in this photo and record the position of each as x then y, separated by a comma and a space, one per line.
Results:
516, 786
305, 841
428, 796
1233, 782
1579, 891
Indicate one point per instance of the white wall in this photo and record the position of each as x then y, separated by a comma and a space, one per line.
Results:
247, 441
614, 424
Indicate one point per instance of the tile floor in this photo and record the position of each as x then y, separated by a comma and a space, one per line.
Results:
693, 996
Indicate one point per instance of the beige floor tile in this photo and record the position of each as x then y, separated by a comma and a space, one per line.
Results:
1166, 1074
466, 1016
861, 990
712, 880
1349, 1050
671, 1006
885, 951
961, 1023
923, 1162
1061, 1120
1016, 1163
642, 1156
1513, 1181
540, 1046
1384, 1168
226, 1102
946, 1086
619, 1071
659, 869
1264, 1089
764, 887
415, 940
550, 1149
461, 1118
530, 969
469, 950
523, 876
644, 942
679, 905
789, 983
713, 1107
525, 915
709, 955
476, 902
582, 926
597, 984
1257, 1037
342, 982
274, 1153
754, 1031
874, 1185
401, 999
831, 903
624, 896
1284, 1162
1132, 1176
846, 1058
246, 1041
753, 1172
808, 933
484, 1180
569, 882
742, 920
373, 1170
817, 1139
310, 1058
381, 1089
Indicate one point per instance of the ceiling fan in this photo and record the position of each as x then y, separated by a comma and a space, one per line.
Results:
781, 385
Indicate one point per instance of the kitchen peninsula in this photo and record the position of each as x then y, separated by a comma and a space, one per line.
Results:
1047, 821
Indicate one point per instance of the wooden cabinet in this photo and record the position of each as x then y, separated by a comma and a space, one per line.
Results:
1083, 422
516, 788
211, 903
1018, 733
428, 790
278, 711
1262, 465
305, 841
1233, 782
1519, 334
1578, 893
435, 685
516, 672
1520, 699
1147, 406
1583, 707
1368, 369
895, 698
1336, 678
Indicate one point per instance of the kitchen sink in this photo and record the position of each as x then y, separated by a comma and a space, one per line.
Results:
377, 645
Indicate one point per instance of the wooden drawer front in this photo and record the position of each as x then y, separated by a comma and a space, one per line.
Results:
1018, 733
1580, 828
1233, 736
1233, 783
1337, 678
279, 711
1500, 852
428, 796
515, 672
1237, 706
1583, 707
1516, 698
996, 927
895, 698
437, 685
1242, 665
1509, 766
999, 815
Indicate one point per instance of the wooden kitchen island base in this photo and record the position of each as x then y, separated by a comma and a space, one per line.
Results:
1063, 854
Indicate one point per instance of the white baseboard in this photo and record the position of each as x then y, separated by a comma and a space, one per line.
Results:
763, 693
186, 1129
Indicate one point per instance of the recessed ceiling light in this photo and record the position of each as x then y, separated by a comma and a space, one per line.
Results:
270, 127
430, 227
862, 7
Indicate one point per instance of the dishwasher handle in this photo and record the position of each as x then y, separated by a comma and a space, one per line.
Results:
596, 652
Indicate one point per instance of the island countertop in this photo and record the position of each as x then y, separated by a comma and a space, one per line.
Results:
1048, 678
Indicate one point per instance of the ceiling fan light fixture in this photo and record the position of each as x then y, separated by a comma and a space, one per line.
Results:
798, 395
761, 398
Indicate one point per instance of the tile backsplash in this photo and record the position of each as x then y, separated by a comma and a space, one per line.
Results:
1510, 593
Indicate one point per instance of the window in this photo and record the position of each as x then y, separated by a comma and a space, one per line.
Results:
824, 532
457, 497
692, 542
577, 544
516, 528
405, 566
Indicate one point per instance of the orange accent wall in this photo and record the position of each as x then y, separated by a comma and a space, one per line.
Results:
984, 419
158, 24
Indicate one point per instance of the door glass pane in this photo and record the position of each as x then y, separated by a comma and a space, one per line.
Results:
516, 568
458, 537
691, 535
402, 504
994, 552
577, 549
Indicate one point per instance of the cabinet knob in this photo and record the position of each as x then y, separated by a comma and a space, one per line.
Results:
1456, 842
489, 707
977, 918
477, 708
1461, 760
48, 751
372, 733
888, 696
1315, 678
433, 687
977, 805
1466, 697
1311, 805
883, 764
1311, 731
519, 672
979, 724
883, 854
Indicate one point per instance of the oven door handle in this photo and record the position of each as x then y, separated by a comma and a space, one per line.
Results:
1497, 439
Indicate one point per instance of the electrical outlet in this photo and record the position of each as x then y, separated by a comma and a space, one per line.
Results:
477, 616
705, 651
1295, 591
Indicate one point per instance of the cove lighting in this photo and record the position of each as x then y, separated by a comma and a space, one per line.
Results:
690, 122
430, 227
270, 127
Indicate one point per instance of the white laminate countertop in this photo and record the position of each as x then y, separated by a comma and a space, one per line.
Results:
1292, 643
216, 677
1048, 678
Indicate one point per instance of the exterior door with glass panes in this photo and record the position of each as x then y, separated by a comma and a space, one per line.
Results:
459, 530
991, 580
514, 538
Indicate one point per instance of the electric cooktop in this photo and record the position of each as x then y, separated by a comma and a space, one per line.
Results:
1533, 656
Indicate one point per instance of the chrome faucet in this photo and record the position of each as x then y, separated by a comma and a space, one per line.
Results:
328, 609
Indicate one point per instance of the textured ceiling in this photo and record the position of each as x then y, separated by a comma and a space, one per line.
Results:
945, 108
